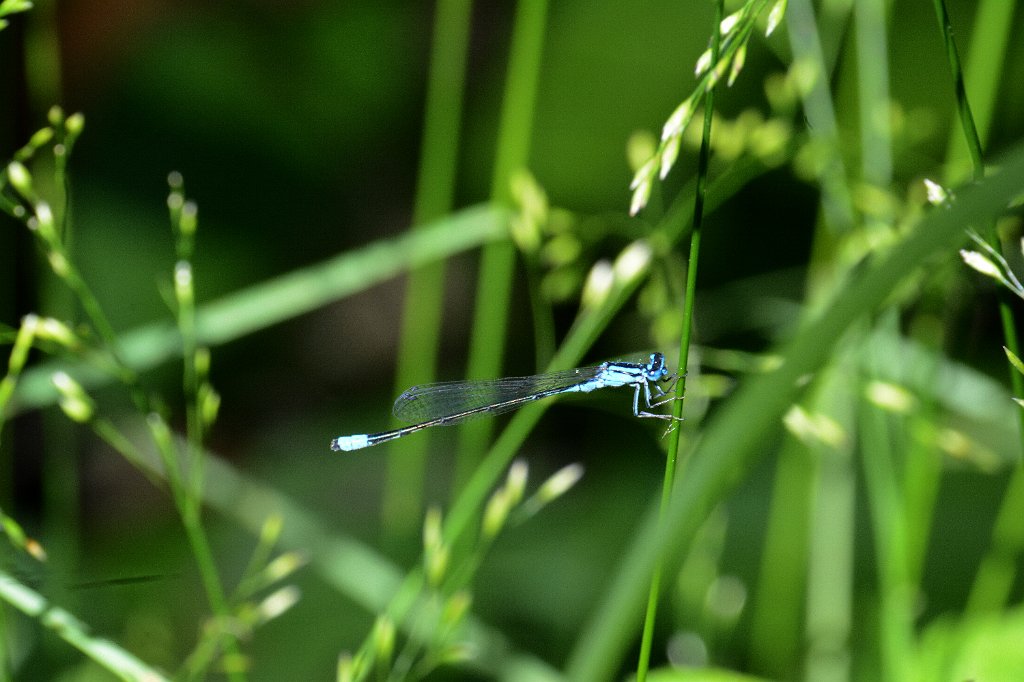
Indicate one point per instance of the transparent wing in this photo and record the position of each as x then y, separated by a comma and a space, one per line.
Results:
432, 401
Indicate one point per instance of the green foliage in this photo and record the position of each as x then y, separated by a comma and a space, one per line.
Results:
848, 501
182, 465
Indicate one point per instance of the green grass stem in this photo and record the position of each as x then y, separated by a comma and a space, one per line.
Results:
61, 483
647, 636
986, 58
882, 439
424, 294
829, 499
780, 592
497, 263
963, 105
873, 93
188, 490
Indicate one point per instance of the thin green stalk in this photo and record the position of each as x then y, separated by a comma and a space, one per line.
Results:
190, 511
189, 497
881, 442
497, 263
647, 637
61, 480
185, 316
985, 67
830, 502
184, 223
873, 94
424, 293
200, 545
185, 475
779, 598
544, 339
64, 269
922, 472
90, 305
970, 130
124, 447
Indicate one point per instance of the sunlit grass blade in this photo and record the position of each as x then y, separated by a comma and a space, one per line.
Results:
282, 298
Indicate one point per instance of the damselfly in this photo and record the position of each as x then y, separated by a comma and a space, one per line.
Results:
452, 402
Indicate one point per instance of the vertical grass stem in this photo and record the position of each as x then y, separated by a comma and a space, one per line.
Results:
424, 294
494, 286
700, 193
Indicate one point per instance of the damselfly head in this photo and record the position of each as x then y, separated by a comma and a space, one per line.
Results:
656, 369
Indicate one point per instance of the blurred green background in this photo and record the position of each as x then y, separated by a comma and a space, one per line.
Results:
297, 128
